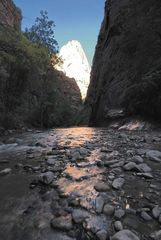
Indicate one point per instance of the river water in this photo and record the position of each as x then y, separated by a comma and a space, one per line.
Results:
78, 158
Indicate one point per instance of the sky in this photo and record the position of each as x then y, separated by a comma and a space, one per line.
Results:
74, 19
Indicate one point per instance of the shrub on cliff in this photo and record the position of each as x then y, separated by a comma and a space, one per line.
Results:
29, 88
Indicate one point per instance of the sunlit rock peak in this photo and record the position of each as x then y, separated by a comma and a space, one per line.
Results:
75, 65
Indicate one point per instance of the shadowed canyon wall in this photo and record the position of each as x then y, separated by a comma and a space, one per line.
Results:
126, 72
9, 14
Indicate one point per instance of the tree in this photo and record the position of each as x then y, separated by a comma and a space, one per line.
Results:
42, 33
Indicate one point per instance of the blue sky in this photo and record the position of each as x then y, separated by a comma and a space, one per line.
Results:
75, 19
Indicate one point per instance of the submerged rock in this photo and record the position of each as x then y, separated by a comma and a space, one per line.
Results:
125, 235
118, 226
156, 235
118, 183
5, 171
146, 216
62, 223
102, 187
156, 211
102, 234
154, 155
99, 204
79, 215
119, 213
108, 210
46, 178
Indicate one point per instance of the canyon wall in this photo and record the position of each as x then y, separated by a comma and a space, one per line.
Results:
126, 72
9, 14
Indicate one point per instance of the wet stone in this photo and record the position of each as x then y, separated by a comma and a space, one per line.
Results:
125, 235
51, 161
119, 213
100, 163
99, 204
102, 234
83, 151
156, 235
118, 183
108, 210
154, 155
62, 223
156, 211
46, 178
102, 187
119, 164
145, 175
144, 168
146, 216
5, 171
118, 226
137, 159
130, 166
79, 215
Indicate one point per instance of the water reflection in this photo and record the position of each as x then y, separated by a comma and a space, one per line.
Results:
74, 137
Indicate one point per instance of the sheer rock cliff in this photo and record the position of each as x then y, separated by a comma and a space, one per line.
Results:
126, 71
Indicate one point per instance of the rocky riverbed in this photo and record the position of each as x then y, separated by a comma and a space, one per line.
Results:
80, 184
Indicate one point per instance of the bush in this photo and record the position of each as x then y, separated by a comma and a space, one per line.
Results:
29, 88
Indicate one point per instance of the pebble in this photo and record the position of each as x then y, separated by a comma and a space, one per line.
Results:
119, 164
118, 226
108, 210
79, 215
137, 159
146, 216
156, 211
146, 175
51, 161
130, 166
119, 213
100, 163
62, 223
156, 235
154, 155
102, 187
118, 183
46, 178
102, 234
143, 167
5, 171
83, 151
125, 235
99, 204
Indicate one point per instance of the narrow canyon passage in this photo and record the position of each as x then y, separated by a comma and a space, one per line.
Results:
80, 183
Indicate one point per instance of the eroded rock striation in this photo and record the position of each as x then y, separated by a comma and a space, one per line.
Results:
10, 15
126, 67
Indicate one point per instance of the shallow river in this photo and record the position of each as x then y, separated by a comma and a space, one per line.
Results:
60, 184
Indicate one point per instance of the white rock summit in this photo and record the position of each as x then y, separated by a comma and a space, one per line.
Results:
75, 65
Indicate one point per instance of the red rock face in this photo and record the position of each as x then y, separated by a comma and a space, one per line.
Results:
10, 14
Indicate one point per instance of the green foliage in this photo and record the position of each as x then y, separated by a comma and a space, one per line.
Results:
30, 92
42, 33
